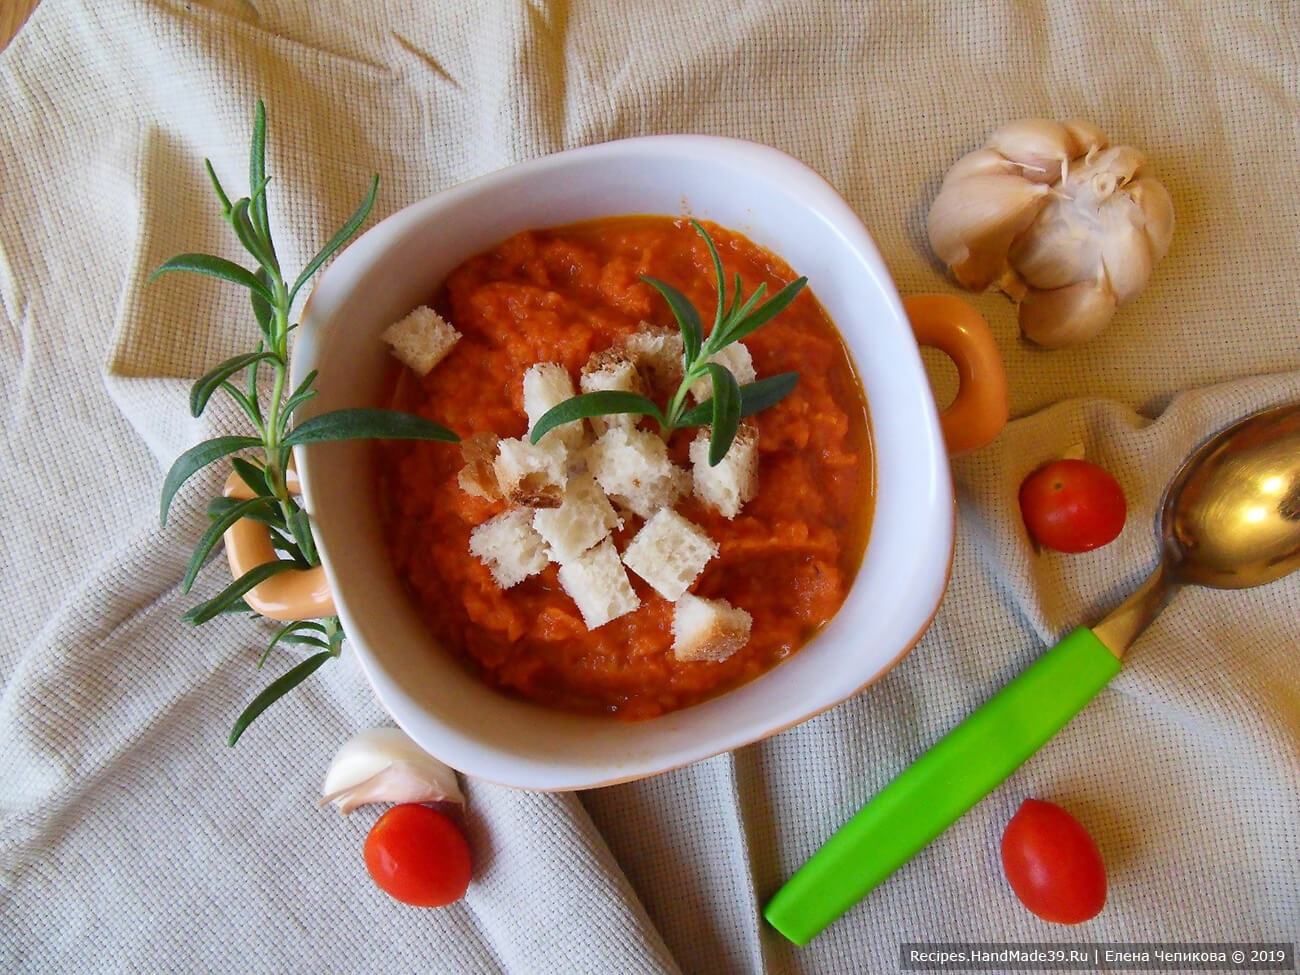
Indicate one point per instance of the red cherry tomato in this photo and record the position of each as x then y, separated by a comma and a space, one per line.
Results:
1052, 864
1072, 506
417, 855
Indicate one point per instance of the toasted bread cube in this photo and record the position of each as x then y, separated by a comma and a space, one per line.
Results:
669, 552
737, 359
584, 518
597, 582
612, 369
479, 477
658, 353
735, 480
634, 469
708, 629
532, 474
509, 547
421, 339
546, 385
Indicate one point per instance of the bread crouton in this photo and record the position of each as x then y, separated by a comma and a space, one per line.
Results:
421, 339
708, 629
509, 547
547, 384
634, 469
612, 369
658, 353
669, 552
531, 474
737, 359
479, 477
583, 519
597, 583
734, 481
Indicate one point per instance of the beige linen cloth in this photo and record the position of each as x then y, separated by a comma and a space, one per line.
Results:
133, 839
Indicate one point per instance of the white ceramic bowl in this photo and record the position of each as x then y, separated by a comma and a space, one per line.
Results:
778, 203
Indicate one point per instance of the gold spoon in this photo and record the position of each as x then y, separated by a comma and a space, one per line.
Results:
1229, 519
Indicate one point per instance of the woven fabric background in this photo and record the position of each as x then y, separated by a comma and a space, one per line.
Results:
132, 839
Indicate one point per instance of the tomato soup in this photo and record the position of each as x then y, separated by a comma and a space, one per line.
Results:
788, 558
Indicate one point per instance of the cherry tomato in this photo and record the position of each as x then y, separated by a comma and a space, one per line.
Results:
417, 855
1052, 864
1072, 506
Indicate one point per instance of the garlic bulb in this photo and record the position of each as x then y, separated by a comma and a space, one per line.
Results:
384, 765
1057, 218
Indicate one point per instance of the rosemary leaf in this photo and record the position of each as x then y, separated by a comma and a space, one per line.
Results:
717, 271
307, 641
253, 476
215, 267
688, 319
726, 412
211, 381
195, 459
603, 403
287, 635
270, 516
301, 530
302, 394
764, 313
249, 237
249, 406
284, 544
291, 404
221, 602
216, 185
754, 397
738, 314
338, 240
213, 534
731, 312
365, 424
257, 171
278, 688
262, 311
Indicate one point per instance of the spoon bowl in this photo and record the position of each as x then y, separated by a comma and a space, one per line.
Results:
1230, 518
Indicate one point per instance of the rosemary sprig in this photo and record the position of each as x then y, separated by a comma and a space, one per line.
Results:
274, 435
730, 401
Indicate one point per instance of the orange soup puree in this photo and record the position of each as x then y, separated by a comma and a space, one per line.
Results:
560, 295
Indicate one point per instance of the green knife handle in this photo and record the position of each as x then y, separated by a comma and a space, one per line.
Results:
965, 766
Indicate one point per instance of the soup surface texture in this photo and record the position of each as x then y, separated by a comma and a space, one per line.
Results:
560, 295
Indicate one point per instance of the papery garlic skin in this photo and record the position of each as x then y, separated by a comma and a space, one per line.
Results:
384, 765
1057, 218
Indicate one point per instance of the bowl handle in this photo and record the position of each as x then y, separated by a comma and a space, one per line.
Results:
956, 329
298, 594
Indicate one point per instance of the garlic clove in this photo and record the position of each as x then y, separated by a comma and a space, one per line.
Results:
399, 782
981, 162
1066, 316
384, 765
1157, 211
1086, 138
972, 222
1060, 247
1038, 144
1125, 253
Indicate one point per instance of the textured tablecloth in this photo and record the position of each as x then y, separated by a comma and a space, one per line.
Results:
133, 839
